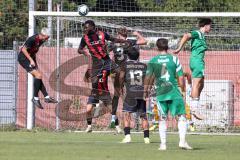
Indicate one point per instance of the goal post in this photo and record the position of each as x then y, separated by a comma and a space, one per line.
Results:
67, 32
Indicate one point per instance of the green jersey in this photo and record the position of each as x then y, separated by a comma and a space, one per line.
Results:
198, 45
165, 68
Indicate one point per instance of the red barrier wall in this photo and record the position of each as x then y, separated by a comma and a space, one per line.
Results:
220, 65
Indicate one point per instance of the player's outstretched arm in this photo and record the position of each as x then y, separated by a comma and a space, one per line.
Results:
148, 82
186, 37
117, 40
140, 39
121, 80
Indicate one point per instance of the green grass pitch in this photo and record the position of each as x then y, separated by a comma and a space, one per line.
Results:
100, 146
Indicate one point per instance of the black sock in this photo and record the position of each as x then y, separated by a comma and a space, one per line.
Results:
116, 122
43, 89
89, 121
146, 133
127, 130
37, 86
114, 105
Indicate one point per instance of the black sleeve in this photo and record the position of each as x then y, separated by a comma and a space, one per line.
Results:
107, 36
29, 42
82, 43
132, 42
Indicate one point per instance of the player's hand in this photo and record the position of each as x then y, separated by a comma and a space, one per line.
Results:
32, 63
176, 51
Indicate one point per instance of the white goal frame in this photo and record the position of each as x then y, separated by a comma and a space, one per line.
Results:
31, 28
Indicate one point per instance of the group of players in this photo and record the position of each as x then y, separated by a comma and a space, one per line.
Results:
132, 79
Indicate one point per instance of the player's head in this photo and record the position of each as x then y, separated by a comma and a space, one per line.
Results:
122, 32
44, 34
205, 23
89, 26
162, 44
132, 52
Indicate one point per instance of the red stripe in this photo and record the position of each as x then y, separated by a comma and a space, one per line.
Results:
91, 48
102, 45
105, 80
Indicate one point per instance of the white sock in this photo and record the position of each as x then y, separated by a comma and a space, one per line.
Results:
113, 118
89, 126
194, 104
47, 97
36, 98
163, 131
182, 129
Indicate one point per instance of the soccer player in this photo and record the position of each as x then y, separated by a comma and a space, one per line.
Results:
163, 69
120, 59
132, 75
102, 65
197, 63
27, 59
187, 97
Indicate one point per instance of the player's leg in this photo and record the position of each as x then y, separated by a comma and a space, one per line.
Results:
126, 122
25, 63
177, 109
129, 106
197, 68
39, 86
195, 94
163, 111
182, 130
89, 112
37, 82
114, 119
143, 115
89, 118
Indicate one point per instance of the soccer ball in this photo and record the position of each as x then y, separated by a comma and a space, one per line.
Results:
83, 10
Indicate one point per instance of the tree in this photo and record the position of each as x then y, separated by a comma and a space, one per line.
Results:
13, 22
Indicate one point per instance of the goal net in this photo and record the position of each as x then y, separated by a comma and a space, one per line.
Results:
63, 68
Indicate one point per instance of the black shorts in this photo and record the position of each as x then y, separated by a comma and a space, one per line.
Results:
135, 105
92, 99
25, 63
107, 65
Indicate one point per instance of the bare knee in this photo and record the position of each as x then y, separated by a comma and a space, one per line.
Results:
89, 108
36, 74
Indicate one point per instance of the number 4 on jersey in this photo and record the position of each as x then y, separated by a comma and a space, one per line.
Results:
164, 72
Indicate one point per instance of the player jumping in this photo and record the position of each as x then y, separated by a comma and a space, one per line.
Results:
197, 63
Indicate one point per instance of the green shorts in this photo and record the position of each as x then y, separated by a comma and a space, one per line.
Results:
176, 107
197, 67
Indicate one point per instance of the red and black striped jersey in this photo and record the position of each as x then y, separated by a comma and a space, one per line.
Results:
33, 44
96, 44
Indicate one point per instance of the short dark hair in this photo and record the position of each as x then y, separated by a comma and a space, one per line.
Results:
204, 21
122, 31
132, 52
90, 22
162, 44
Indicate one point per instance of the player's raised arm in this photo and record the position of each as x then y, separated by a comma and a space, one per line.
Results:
186, 37
140, 39
117, 40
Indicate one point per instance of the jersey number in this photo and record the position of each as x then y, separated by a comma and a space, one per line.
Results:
136, 77
164, 72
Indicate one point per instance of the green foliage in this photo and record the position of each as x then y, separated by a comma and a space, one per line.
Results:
14, 13
13, 22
